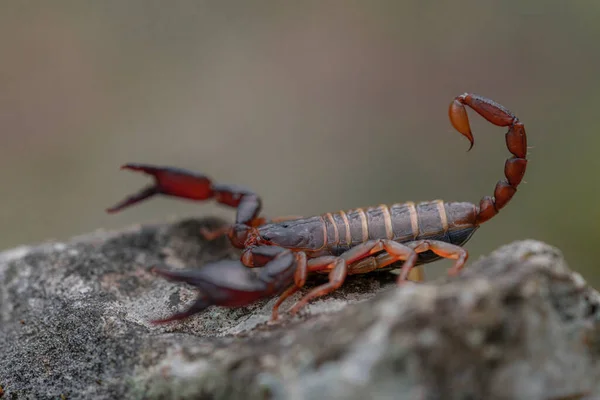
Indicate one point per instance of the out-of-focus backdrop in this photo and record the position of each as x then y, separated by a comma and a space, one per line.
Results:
317, 105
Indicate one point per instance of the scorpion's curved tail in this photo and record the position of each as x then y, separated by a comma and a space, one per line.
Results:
516, 141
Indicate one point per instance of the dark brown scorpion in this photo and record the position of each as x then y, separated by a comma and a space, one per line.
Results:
341, 243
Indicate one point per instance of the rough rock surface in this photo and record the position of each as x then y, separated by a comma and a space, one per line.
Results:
74, 322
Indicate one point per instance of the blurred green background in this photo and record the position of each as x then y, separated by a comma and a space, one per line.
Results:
317, 105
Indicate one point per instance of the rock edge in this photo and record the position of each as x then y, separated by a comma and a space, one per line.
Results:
74, 323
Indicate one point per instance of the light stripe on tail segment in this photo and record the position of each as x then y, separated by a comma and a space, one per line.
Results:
352, 227
338, 229
432, 217
379, 222
331, 228
364, 226
443, 216
412, 221
402, 222
346, 229
387, 218
461, 219
344, 217
405, 221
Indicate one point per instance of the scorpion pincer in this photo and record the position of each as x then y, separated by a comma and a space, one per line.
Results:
342, 243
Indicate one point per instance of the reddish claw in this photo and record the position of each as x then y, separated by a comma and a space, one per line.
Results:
229, 283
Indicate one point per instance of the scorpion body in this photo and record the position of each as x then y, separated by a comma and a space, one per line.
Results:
343, 243
335, 233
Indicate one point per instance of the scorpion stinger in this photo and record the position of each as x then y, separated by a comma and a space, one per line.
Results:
342, 243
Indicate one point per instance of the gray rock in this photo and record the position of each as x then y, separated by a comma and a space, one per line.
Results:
74, 317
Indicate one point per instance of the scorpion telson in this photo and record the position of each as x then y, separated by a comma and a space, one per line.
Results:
342, 243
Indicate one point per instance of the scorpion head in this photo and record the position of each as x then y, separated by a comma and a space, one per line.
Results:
296, 234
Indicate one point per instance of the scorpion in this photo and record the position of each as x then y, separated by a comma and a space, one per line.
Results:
285, 250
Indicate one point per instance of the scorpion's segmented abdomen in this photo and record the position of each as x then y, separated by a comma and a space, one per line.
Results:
432, 220
402, 222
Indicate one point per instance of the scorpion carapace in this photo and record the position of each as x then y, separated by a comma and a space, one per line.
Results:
343, 243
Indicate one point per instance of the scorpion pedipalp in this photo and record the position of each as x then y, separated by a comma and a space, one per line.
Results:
178, 182
228, 283
167, 181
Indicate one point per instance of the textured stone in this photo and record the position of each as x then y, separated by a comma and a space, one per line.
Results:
74, 317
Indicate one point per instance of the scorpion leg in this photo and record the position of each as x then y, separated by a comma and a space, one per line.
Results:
442, 249
339, 265
299, 280
379, 261
319, 264
260, 256
189, 185
229, 283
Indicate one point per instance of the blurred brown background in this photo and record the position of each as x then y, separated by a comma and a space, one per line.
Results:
317, 105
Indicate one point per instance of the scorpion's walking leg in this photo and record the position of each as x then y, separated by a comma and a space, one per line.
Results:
339, 265
379, 261
317, 264
299, 281
442, 249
